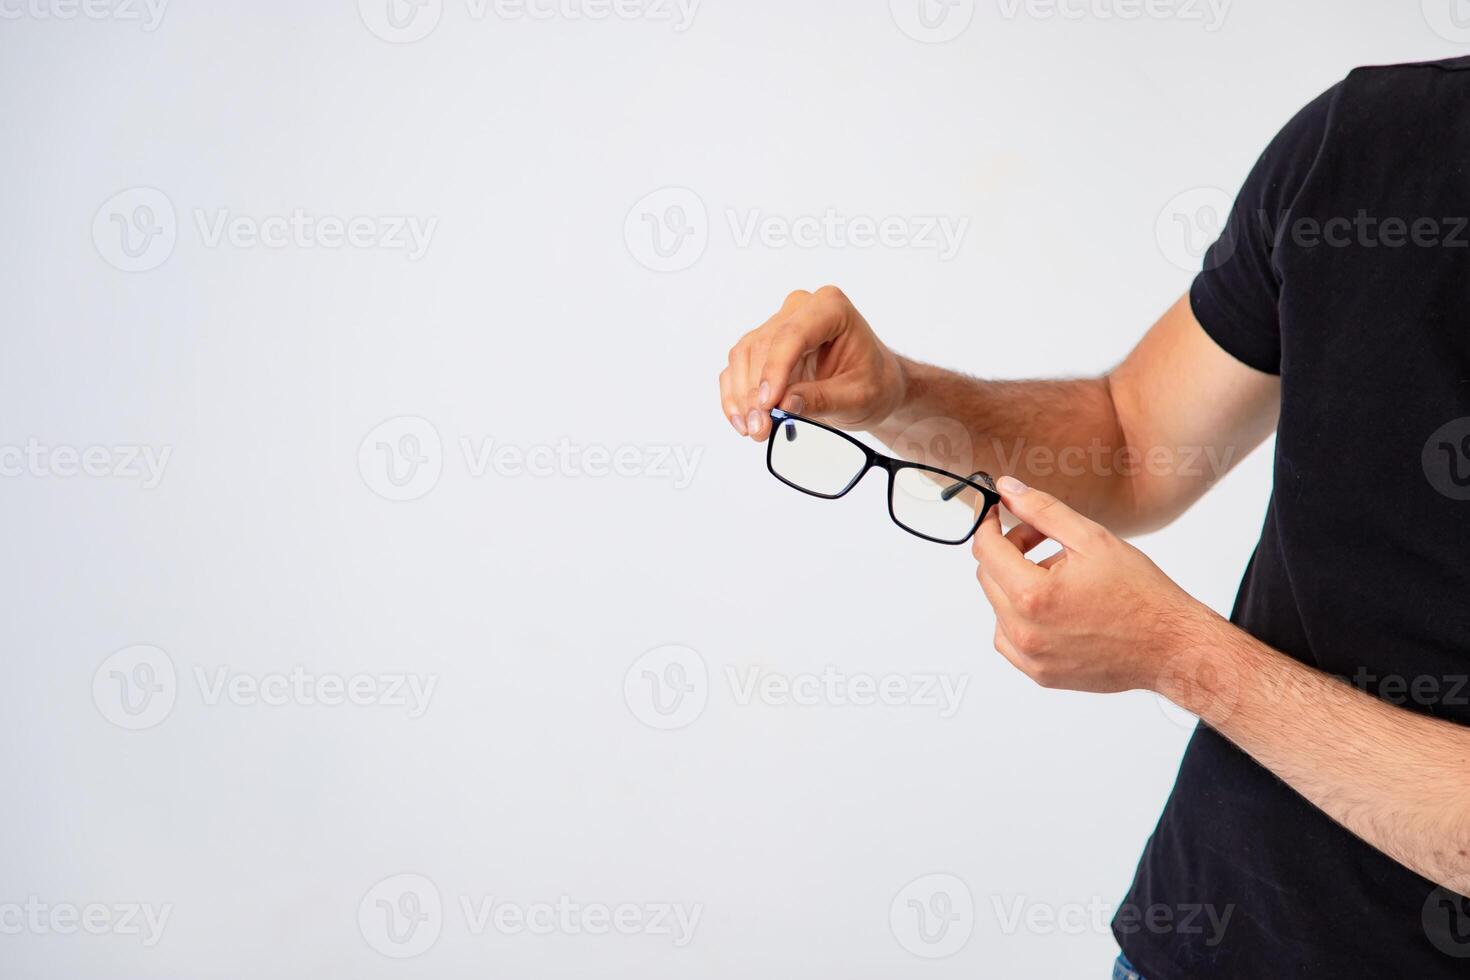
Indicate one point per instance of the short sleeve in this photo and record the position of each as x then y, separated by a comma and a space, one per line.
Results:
1236, 296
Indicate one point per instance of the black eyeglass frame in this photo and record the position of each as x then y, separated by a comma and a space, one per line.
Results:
979, 480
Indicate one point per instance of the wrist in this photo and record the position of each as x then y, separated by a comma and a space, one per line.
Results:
905, 387
903, 383
1201, 664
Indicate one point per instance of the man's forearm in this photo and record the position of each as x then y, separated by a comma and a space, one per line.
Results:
1062, 436
1132, 450
1398, 779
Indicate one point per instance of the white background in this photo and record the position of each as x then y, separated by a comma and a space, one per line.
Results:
533, 318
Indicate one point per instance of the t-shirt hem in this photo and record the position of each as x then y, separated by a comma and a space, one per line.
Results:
1147, 965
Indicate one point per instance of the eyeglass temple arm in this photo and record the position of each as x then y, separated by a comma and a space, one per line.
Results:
980, 476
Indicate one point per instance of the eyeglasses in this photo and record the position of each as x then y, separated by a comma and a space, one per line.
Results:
932, 503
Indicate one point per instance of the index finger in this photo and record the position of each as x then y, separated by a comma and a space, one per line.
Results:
804, 331
1002, 560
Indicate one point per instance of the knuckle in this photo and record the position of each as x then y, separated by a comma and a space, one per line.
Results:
1025, 639
1045, 676
1031, 601
831, 294
796, 297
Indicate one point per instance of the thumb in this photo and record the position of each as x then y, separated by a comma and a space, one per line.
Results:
1048, 515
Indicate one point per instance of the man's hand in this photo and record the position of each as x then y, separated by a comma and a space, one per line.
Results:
816, 357
1097, 616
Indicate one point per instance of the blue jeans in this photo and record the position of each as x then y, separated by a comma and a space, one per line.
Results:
1123, 970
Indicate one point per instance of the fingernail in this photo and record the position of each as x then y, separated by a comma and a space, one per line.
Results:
753, 422
739, 424
1011, 485
765, 394
795, 404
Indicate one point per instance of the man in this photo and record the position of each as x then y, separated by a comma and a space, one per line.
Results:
1335, 310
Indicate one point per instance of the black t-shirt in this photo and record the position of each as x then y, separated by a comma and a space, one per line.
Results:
1345, 269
